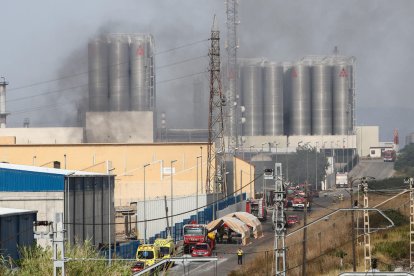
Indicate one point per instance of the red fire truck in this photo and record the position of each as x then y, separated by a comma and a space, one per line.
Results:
196, 233
257, 207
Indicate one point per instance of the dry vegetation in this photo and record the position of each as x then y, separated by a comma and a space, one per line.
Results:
330, 239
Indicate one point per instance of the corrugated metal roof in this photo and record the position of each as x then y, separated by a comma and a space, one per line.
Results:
11, 211
47, 170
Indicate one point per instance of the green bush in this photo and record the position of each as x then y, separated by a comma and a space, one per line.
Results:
36, 260
394, 249
376, 220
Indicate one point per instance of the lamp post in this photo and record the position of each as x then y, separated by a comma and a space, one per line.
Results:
34, 160
201, 168
316, 166
145, 207
108, 165
300, 142
64, 158
172, 196
343, 154
197, 191
287, 161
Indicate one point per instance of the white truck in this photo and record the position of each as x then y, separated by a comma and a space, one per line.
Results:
341, 180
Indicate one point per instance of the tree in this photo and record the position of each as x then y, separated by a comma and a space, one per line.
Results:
405, 161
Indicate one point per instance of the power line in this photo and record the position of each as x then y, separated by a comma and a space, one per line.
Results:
86, 72
55, 105
169, 216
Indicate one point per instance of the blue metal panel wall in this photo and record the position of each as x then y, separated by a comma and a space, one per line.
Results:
26, 181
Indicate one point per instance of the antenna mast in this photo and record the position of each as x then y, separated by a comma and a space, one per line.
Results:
216, 158
232, 7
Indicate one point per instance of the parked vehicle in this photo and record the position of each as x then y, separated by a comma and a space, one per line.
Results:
137, 267
341, 180
197, 233
201, 249
292, 220
167, 249
148, 254
390, 156
299, 203
166, 246
257, 207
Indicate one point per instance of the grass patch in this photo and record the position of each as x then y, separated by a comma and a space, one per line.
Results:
397, 250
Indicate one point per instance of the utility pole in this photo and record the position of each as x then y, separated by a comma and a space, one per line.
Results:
410, 181
58, 247
166, 216
305, 232
351, 191
367, 237
216, 167
279, 222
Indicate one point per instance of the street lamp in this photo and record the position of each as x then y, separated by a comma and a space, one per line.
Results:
343, 154
145, 210
172, 211
316, 166
276, 144
197, 191
201, 168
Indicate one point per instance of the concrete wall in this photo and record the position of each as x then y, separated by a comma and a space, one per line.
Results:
46, 203
238, 207
289, 143
243, 175
120, 127
366, 137
128, 161
44, 135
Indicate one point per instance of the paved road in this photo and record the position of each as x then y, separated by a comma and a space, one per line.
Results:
376, 168
227, 256
227, 252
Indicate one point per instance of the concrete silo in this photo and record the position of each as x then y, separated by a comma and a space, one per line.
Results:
321, 99
118, 73
300, 100
341, 102
252, 97
273, 99
98, 75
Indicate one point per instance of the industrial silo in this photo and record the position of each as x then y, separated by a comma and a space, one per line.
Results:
118, 73
273, 99
98, 75
252, 95
139, 74
287, 91
321, 99
341, 106
351, 97
300, 109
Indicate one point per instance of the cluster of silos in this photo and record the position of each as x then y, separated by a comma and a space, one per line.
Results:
261, 87
121, 73
310, 97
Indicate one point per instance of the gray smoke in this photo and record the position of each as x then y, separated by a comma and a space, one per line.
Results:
377, 32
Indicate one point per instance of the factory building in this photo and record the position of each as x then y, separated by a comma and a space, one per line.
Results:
82, 197
16, 231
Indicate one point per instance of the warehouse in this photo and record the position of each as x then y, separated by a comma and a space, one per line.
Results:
85, 198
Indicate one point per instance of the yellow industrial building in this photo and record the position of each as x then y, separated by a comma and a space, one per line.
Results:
127, 162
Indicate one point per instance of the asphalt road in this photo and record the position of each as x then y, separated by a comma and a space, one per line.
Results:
226, 253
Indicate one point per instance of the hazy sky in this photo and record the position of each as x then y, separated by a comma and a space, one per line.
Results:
45, 40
